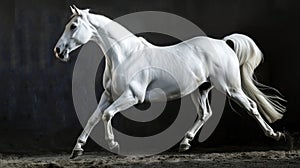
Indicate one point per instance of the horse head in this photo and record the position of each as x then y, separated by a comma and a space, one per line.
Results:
78, 31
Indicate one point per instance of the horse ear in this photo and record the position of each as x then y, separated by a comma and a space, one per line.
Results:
72, 10
77, 11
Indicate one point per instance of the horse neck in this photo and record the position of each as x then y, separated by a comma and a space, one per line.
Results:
114, 40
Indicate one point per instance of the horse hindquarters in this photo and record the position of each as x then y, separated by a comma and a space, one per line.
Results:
249, 57
246, 93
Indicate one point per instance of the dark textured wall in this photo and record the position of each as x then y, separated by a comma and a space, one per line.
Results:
36, 108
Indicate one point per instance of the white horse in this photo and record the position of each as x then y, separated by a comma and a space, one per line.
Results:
198, 62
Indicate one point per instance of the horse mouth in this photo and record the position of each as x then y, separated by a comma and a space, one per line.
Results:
63, 56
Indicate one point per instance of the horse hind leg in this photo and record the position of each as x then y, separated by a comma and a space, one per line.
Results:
240, 97
200, 99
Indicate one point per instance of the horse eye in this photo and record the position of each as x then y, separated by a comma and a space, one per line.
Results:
73, 26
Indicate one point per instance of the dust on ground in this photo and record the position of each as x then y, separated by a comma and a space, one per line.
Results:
169, 159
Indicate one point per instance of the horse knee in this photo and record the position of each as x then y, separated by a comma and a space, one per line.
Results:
206, 116
106, 116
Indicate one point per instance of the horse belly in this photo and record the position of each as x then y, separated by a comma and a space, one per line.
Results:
171, 86
162, 90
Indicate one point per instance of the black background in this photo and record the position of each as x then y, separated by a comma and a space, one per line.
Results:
36, 108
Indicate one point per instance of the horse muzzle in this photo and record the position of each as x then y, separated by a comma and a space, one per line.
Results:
61, 55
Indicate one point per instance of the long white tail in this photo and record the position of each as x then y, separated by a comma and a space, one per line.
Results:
249, 57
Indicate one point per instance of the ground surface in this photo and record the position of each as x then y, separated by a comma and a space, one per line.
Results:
171, 159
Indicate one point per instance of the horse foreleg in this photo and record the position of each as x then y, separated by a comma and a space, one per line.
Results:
200, 99
93, 120
125, 101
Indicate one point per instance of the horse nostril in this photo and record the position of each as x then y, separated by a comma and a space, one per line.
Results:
60, 56
57, 50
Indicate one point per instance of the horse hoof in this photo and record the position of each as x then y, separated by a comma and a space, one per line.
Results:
184, 147
75, 153
115, 147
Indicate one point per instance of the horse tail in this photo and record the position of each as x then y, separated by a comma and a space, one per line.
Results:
250, 56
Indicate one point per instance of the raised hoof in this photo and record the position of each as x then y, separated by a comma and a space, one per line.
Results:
75, 153
184, 147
